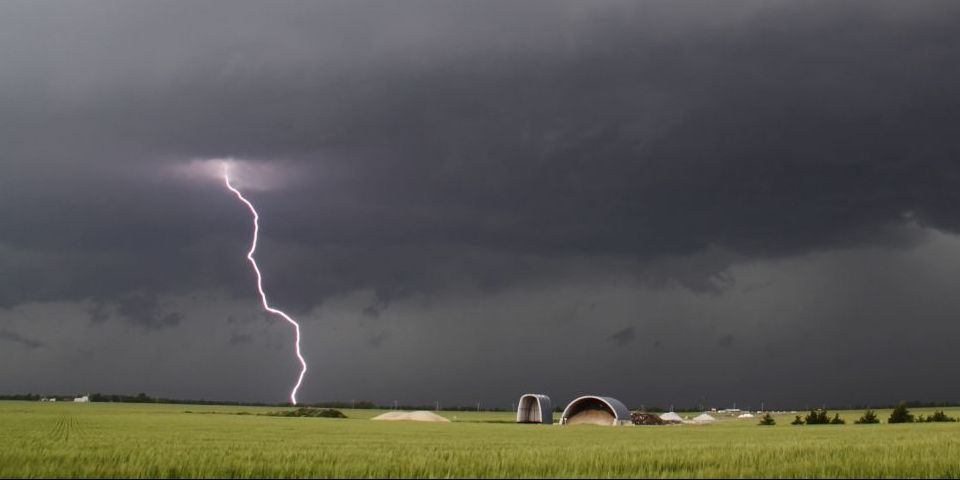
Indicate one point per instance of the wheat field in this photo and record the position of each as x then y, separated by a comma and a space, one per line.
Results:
175, 441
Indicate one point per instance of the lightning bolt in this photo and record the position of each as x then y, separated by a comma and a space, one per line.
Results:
263, 294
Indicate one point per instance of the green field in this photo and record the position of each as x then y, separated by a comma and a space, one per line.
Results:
126, 440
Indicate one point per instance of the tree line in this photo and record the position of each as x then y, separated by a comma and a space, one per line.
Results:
144, 398
901, 414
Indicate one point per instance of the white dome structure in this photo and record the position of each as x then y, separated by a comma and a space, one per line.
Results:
535, 409
594, 410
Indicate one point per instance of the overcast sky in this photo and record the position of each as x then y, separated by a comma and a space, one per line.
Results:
665, 202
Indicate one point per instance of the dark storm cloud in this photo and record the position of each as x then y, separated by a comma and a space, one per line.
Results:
240, 338
624, 337
99, 312
456, 147
598, 133
377, 340
14, 337
145, 310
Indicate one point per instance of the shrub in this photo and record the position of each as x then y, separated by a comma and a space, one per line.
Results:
901, 414
311, 413
817, 417
837, 420
797, 421
939, 417
768, 421
330, 413
869, 418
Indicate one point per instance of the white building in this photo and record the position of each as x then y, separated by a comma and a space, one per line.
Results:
596, 410
83, 399
535, 409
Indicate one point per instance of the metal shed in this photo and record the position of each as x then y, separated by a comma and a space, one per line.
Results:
594, 410
535, 409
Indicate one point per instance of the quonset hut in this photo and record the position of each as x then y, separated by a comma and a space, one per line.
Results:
592, 410
535, 409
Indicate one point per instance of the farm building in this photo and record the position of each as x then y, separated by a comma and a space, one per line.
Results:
83, 399
593, 410
535, 409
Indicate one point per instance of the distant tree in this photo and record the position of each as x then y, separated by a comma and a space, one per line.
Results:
938, 417
817, 417
28, 397
356, 405
901, 414
837, 420
869, 418
797, 421
768, 421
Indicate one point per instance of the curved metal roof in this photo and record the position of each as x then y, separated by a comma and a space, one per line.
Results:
620, 411
540, 398
543, 403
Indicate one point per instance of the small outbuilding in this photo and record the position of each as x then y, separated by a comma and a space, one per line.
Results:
535, 408
594, 410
